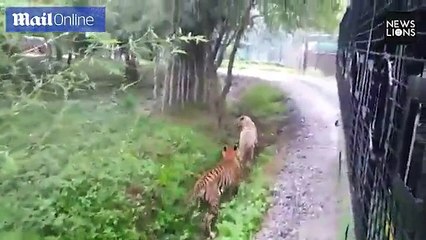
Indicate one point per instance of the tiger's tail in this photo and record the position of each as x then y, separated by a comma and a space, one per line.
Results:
193, 196
193, 202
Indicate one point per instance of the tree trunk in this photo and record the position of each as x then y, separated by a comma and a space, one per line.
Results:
69, 59
187, 78
221, 102
178, 80
131, 70
155, 90
165, 89
58, 50
182, 82
207, 79
229, 37
214, 86
220, 57
240, 33
192, 78
171, 83
197, 82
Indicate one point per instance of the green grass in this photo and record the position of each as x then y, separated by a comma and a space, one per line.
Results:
265, 66
314, 72
64, 171
242, 217
343, 194
100, 68
103, 69
346, 219
262, 100
244, 64
65, 167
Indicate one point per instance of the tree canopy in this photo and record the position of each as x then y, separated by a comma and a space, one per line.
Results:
220, 22
204, 17
317, 15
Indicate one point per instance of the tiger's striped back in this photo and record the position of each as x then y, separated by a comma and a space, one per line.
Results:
226, 173
211, 185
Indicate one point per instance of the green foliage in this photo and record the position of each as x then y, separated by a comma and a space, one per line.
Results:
66, 165
262, 101
242, 216
65, 169
263, 66
136, 17
100, 70
201, 17
316, 15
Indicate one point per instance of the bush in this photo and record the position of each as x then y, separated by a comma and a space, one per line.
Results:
241, 218
64, 171
261, 101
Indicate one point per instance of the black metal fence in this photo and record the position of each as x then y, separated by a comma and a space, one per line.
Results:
383, 103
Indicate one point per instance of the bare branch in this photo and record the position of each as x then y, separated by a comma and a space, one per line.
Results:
218, 42
220, 56
239, 34
231, 38
255, 16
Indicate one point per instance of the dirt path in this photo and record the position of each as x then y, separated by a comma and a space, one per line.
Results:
306, 203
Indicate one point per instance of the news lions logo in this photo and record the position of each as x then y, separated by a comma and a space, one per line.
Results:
400, 27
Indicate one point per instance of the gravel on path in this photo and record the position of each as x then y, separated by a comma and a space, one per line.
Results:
305, 202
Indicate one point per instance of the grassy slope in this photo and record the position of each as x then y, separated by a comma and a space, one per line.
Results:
72, 168
65, 168
243, 64
265, 66
241, 218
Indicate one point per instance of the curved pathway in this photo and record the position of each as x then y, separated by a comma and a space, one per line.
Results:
306, 196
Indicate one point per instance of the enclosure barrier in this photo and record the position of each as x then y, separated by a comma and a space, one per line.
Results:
382, 96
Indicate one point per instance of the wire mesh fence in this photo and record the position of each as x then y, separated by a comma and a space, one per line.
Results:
382, 95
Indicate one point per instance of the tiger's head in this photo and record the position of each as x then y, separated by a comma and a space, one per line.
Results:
231, 153
245, 121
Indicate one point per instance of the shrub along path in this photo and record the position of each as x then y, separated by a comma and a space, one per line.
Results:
91, 169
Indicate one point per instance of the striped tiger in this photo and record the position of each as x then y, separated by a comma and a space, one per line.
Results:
212, 184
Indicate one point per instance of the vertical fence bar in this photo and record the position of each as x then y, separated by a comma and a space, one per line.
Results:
383, 107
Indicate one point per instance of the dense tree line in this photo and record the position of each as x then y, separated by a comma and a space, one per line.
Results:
165, 32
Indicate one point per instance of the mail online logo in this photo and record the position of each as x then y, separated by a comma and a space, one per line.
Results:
55, 19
